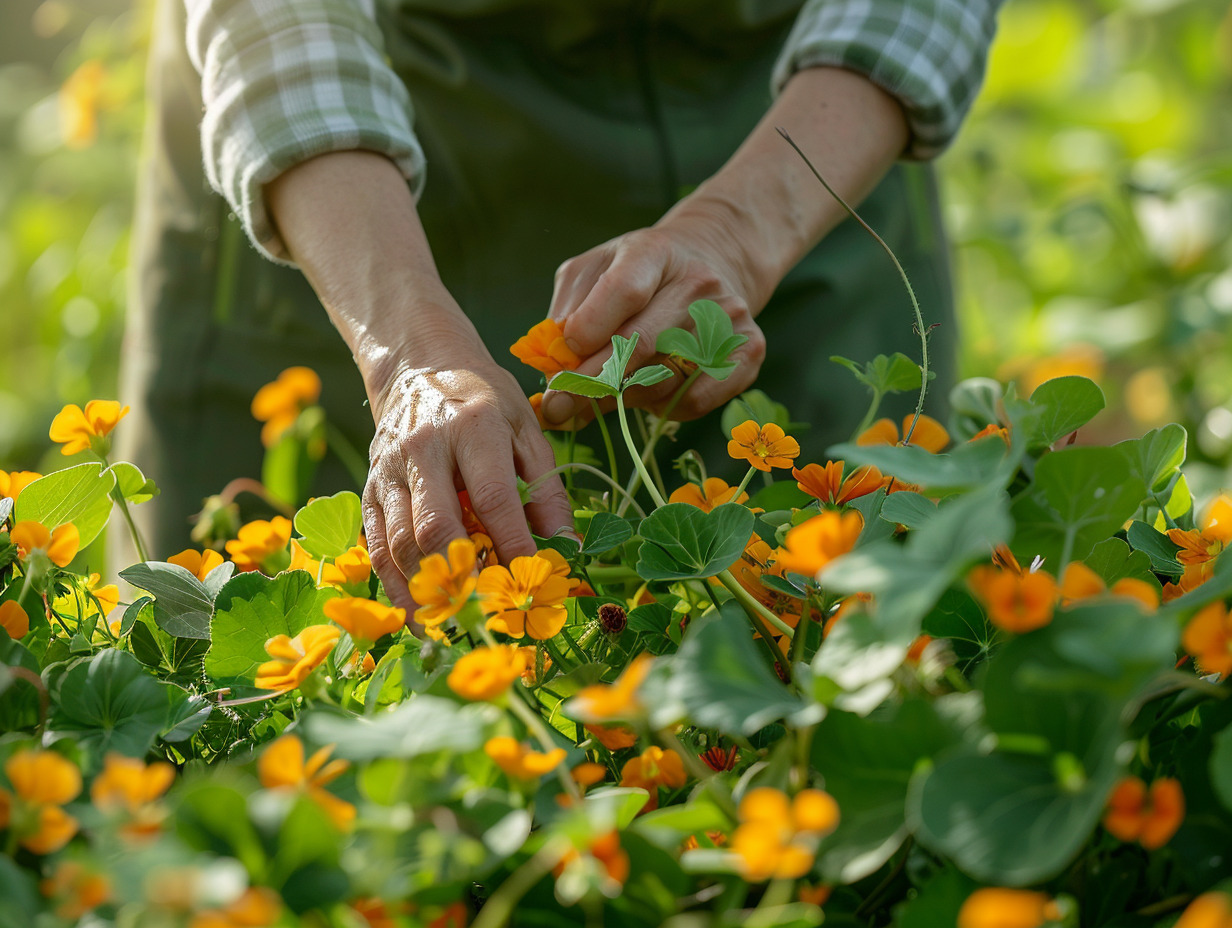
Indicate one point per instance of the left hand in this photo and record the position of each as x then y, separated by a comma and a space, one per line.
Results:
643, 282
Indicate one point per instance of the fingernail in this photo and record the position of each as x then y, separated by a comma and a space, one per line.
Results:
566, 532
557, 407
573, 345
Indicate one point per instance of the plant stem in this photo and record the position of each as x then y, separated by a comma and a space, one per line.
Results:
356, 465
657, 432
915, 304
566, 468
132, 526
744, 483
607, 441
872, 411
757, 612
637, 458
499, 908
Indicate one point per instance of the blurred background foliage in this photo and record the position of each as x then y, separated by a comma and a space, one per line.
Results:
1089, 198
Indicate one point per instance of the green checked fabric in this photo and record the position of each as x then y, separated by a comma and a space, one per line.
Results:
283, 80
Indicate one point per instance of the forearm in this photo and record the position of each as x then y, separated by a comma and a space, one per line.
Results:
852, 131
349, 221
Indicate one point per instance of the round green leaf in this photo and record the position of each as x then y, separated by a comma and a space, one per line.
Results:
330, 525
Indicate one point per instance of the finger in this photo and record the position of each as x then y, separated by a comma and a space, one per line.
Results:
392, 579
621, 292
486, 466
436, 516
549, 510
576, 278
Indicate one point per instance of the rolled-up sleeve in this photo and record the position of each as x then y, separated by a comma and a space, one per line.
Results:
285, 80
929, 54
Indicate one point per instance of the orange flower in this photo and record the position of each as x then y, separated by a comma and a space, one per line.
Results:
1208, 637
713, 492
13, 619
813, 544
293, 659
992, 428
529, 654
485, 550
527, 598
519, 761
828, 484
197, 563
1152, 822
79, 429
764, 447
279, 404
995, 907
613, 737
1213, 534
588, 774
1193, 577
849, 604
607, 852
929, 434
59, 545
108, 596
444, 582
258, 907
78, 104
485, 674
346, 572
755, 563
604, 703
1080, 582
814, 895
281, 766
653, 768
364, 619
75, 889
777, 837
13, 482
1015, 603
258, 542
42, 781
128, 785
544, 349
1210, 910
453, 915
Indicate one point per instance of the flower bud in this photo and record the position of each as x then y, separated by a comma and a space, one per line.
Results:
612, 619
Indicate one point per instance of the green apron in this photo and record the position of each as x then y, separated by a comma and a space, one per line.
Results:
549, 126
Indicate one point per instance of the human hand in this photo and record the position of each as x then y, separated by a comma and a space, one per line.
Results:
644, 282
458, 421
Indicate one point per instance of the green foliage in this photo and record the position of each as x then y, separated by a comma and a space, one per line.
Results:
329, 526
182, 604
683, 543
711, 347
78, 494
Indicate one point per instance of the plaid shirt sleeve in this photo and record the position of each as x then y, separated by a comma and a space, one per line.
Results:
930, 54
285, 80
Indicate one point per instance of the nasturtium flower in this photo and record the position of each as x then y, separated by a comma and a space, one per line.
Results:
614, 737
1016, 603
713, 492
814, 895
530, 655
14, 620
282, 766
544, 349
777, 837
444, 582
78, 103
1210, 910
293, 659
1201, 546
197, 563
991, 428
1151, 818
764, 447
526, 598
588, 773
257, 907
604, 702
485, 550
519, 761
758, 562
75, 889
606, 851
60, 545
721, 760
1208, 637
1080, 582
13, 482
107, 594
79, 429
42, 781
827, 483
130, 786
365, 620
258, 542
347, 571
278, 404
929, 434
813, 544
653, 768
997, 907
485, 674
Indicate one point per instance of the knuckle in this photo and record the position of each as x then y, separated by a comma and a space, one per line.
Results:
433, 532
489, 496
402, 544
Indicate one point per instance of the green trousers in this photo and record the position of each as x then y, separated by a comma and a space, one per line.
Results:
535, 154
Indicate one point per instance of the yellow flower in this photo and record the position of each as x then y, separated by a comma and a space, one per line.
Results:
42, 781
59, 545
764, 447
929, 434
13, 482
108, 596
653, 768
527, 598
996, 907
519, 761
366, 620
79, 429
713, 492
293, 659
444, 582
279, 404
258, 541
258, 907
13, 619
197, 563
282, 766
544, 349
130, 786
1210, 910
1208, 637
813, 544
75, 889
486, 673
777, 837
603, 702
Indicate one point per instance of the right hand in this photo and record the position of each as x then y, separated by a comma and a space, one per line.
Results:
457, 422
